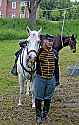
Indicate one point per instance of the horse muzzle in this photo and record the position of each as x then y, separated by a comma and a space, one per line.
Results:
74, 50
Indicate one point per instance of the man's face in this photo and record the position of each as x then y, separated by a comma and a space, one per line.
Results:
47, 43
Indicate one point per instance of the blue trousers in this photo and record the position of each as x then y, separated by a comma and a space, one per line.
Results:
43, 88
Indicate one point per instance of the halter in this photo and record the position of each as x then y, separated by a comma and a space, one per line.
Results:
24, 68
64, 43
31, 51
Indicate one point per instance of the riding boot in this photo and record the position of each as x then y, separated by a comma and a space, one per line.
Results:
46, 109
38, 111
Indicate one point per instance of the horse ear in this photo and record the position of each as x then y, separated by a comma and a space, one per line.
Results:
40, 30
28, 29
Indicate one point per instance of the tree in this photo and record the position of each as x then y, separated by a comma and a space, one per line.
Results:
55, 15
54, 5
32, 10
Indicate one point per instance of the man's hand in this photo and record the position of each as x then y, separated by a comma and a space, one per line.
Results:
57, 83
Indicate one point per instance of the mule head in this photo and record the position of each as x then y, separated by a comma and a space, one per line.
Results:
33, 42
73, 42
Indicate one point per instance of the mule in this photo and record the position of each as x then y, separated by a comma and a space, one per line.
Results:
25, 59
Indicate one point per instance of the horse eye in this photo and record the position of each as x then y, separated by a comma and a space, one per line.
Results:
33, 34
39, 35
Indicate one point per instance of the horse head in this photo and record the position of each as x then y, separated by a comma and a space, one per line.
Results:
33, 43
73, 42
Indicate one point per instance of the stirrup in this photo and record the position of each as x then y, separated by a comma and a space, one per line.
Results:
14, 70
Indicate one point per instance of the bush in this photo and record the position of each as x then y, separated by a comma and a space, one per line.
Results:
16, 28
14, 23
11, 34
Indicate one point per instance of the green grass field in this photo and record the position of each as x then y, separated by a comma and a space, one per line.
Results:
7, 50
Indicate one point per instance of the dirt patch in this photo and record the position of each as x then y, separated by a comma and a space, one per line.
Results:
64, 107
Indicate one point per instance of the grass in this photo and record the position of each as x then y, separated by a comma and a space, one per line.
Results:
7, 50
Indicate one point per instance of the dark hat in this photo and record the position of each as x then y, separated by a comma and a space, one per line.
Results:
49, 37
42, 37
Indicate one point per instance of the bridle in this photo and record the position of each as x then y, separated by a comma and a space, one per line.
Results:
28, 69
70, 42
66, 41
34, 51
28, 52
21, 62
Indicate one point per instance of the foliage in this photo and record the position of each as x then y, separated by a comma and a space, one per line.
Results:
55, 15
9, 32
13, 28
56, 5
14, 23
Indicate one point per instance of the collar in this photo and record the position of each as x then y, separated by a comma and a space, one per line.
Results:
48, 49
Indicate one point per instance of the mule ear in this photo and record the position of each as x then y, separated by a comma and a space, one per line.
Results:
28, 29
74, 35
40, 30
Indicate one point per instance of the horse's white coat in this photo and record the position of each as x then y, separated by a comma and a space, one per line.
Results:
33, 44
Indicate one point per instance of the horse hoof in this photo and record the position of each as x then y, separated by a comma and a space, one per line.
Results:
27, 94
33, 105
19, 104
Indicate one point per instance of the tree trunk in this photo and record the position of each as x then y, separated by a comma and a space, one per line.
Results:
33, 10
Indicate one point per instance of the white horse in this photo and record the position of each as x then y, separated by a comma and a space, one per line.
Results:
28, 53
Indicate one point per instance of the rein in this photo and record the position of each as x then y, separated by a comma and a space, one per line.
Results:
24, 69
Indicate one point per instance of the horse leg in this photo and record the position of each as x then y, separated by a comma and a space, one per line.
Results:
28, 87
33, 101
33, 97
21, 84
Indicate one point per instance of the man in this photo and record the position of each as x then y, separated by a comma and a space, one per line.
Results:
22, 44
44, 81
56, 53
